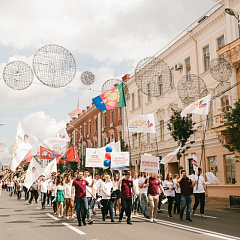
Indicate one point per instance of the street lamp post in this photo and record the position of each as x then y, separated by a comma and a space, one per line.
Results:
231, 12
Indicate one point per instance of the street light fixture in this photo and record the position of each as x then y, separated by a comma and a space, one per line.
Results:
231, 12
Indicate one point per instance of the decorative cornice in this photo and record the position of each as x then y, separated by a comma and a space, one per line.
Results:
160, 114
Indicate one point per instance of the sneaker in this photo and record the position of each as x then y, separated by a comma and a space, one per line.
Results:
135, 213
129, 222
120, 220
79, 224
155, 220
84, 223
203, 216
151, 220
59, 215
192, 213
159, 211
48, 205
181, 216
112, 220
170, 216
67, 217
189, 219
94, 213
90, 222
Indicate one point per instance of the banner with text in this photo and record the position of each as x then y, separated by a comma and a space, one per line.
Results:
120, 161
95, 157
149, 164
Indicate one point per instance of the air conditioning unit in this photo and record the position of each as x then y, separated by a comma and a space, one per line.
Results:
111, 124
178, 66
206, 55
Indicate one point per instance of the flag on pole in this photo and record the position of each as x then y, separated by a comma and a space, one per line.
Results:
111, 99
63, 135
195, 163
51, 167
33, 173
27, 159
170, 156
24, 141
48, 154
68, 156
142, 123
200, 107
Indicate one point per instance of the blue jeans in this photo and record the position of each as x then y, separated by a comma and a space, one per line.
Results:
185, 200
144, 200
136, 203
10, 191
43, 199
107, 205
90, 206
82, 207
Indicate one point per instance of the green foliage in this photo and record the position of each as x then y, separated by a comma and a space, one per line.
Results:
232, 122
181, 128
124, 146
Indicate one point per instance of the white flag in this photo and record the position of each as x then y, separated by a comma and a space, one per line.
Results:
142, 123
195, 163
201, 107
33, 173
50, 168
63, 135
25, 140
116, 146
170, 156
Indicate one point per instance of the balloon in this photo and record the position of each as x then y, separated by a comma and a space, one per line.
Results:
108, 149
106, 163
108, 155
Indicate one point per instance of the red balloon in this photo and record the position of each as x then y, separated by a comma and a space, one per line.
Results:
108, 155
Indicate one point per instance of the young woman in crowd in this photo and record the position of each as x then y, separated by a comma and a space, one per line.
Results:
59, 196
68, 196
117, 201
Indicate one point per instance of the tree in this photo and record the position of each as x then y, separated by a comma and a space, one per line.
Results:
232, 122
181, 128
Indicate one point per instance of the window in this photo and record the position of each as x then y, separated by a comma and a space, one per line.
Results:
139, 98
89, 128
112, 138
210, 119
206, 58
112, 116
81, 130
225, 103
95, 123
104, 119
85, 129
134, 139
149, 92
190, 166
161, 130
212, 164
139, 139
220, 42
188, 65
148, 137
95, 144
230, 168
133, 101
119, 135
172, 78
160, 86
119, 113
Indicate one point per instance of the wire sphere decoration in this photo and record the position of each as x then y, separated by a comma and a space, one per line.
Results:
18, 75
191, 88
54, 66
87, 78
153, 76
2, 147
111, 83
220, 69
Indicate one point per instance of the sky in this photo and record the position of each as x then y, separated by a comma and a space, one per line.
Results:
106, 37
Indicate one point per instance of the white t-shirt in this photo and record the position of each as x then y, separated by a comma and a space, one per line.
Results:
169, 192
177, 189
60, 187
135, 185
100, 186
115, 185
44, 186
141, 181
53, 189
88, 189
50, 183
68, 188
107, 188
199, 188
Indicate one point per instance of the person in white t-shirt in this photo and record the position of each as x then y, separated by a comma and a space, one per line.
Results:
43, 188
199, 193
69, 199
176, 208
144, 198
136, 201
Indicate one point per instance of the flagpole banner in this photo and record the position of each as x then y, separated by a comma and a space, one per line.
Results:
195, 163
170, 156
63, 135
149, 164
51, 167
116, 146
33, 173
95, 157
111, 99
120, 161
27, 159
68, 156
142, 123
200, 107
24, 141
48, 154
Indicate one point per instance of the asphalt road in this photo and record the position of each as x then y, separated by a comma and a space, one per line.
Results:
19, 220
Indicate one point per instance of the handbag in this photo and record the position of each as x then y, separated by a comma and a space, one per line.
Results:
113, 194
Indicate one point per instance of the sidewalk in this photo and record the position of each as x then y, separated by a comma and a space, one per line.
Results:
219, 204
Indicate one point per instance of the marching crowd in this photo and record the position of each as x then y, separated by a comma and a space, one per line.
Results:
79, 194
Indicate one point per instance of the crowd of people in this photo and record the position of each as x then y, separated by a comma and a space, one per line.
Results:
79, 194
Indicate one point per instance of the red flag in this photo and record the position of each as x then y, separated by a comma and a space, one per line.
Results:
69, 156
48, 154
27, 159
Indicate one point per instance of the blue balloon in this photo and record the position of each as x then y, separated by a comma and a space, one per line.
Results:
106, 163
108, 149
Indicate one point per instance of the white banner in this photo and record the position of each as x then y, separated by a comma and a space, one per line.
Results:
116, 146
51, 167
63, 135
201, 107
120, 161
95, 157
149, 164
142, 124
33, 173
25, 140
170, 156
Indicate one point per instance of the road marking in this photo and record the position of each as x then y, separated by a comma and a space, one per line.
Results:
199, 215
193, 229
51, 216
74, 229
